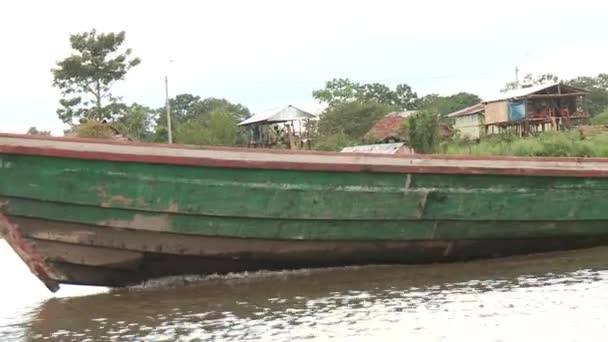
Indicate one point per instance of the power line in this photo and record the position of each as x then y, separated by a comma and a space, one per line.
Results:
396, 79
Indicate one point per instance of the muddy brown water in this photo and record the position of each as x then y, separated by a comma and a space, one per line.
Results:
550, 297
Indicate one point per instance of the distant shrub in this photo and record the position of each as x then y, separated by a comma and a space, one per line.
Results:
601, 118
423, 132
333, 142
220, 128
94, 129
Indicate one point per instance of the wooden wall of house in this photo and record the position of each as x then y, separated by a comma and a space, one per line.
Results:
469, 126
496, 112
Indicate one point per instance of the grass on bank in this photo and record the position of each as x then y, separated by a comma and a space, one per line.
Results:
549, 144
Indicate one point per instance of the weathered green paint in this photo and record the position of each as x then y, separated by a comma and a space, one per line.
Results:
301, 229
276, 204
289, 194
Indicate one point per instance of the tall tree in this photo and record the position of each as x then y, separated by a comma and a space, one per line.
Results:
342, 90
136, 122
190, 109
377, 92
597, 100
352, 119
447, 104
338, 91
86, 77
405, 96
211, 104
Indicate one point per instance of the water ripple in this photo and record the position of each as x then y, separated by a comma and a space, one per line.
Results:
558, 297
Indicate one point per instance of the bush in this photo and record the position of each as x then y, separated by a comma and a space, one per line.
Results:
423, 132
352, 119
94, 129
333, 142
219, 129
600, 119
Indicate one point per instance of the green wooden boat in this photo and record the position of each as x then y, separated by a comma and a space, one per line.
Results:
113, 214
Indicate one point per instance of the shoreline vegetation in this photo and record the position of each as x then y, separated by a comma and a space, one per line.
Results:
352, 108
572, 143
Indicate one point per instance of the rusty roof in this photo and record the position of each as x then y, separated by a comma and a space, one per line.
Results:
474, 109
385, 128
389, 126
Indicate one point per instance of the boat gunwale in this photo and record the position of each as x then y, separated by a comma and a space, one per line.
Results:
271, 159
295, 152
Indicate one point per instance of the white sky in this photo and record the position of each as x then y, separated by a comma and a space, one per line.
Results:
267, 54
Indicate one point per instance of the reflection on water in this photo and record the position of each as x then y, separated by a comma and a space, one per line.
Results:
22, 294
560, 296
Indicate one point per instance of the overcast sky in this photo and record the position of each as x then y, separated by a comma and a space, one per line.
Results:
267, 54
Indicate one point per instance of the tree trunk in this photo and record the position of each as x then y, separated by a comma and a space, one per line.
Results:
98, 98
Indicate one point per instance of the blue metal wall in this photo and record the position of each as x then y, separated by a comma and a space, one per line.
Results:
517, 110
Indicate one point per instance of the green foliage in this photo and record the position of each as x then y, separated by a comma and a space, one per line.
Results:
447, 104
36, 131
342, 91
94, 129
136, 122
597, 100
353, 119
548, 144
405, 97
601, 118
219, 128
376, 92
333, 142
85, 78
338, 91
404, 130
423, 131
187, 108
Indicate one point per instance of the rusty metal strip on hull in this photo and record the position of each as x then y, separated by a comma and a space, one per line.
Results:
28, 253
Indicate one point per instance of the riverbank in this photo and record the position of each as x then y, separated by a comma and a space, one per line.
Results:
573, 143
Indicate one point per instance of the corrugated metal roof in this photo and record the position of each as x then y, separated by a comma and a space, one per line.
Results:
522, 92
468, 111
391, 148
515, 93
289, 113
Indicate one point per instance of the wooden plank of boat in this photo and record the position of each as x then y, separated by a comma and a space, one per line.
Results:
106, 213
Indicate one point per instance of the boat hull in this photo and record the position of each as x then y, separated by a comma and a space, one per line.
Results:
89, 255
92, 213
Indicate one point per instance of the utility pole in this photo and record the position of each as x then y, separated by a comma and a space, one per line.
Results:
516, 77
168, 105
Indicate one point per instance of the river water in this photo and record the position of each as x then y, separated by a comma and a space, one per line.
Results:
551, 297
